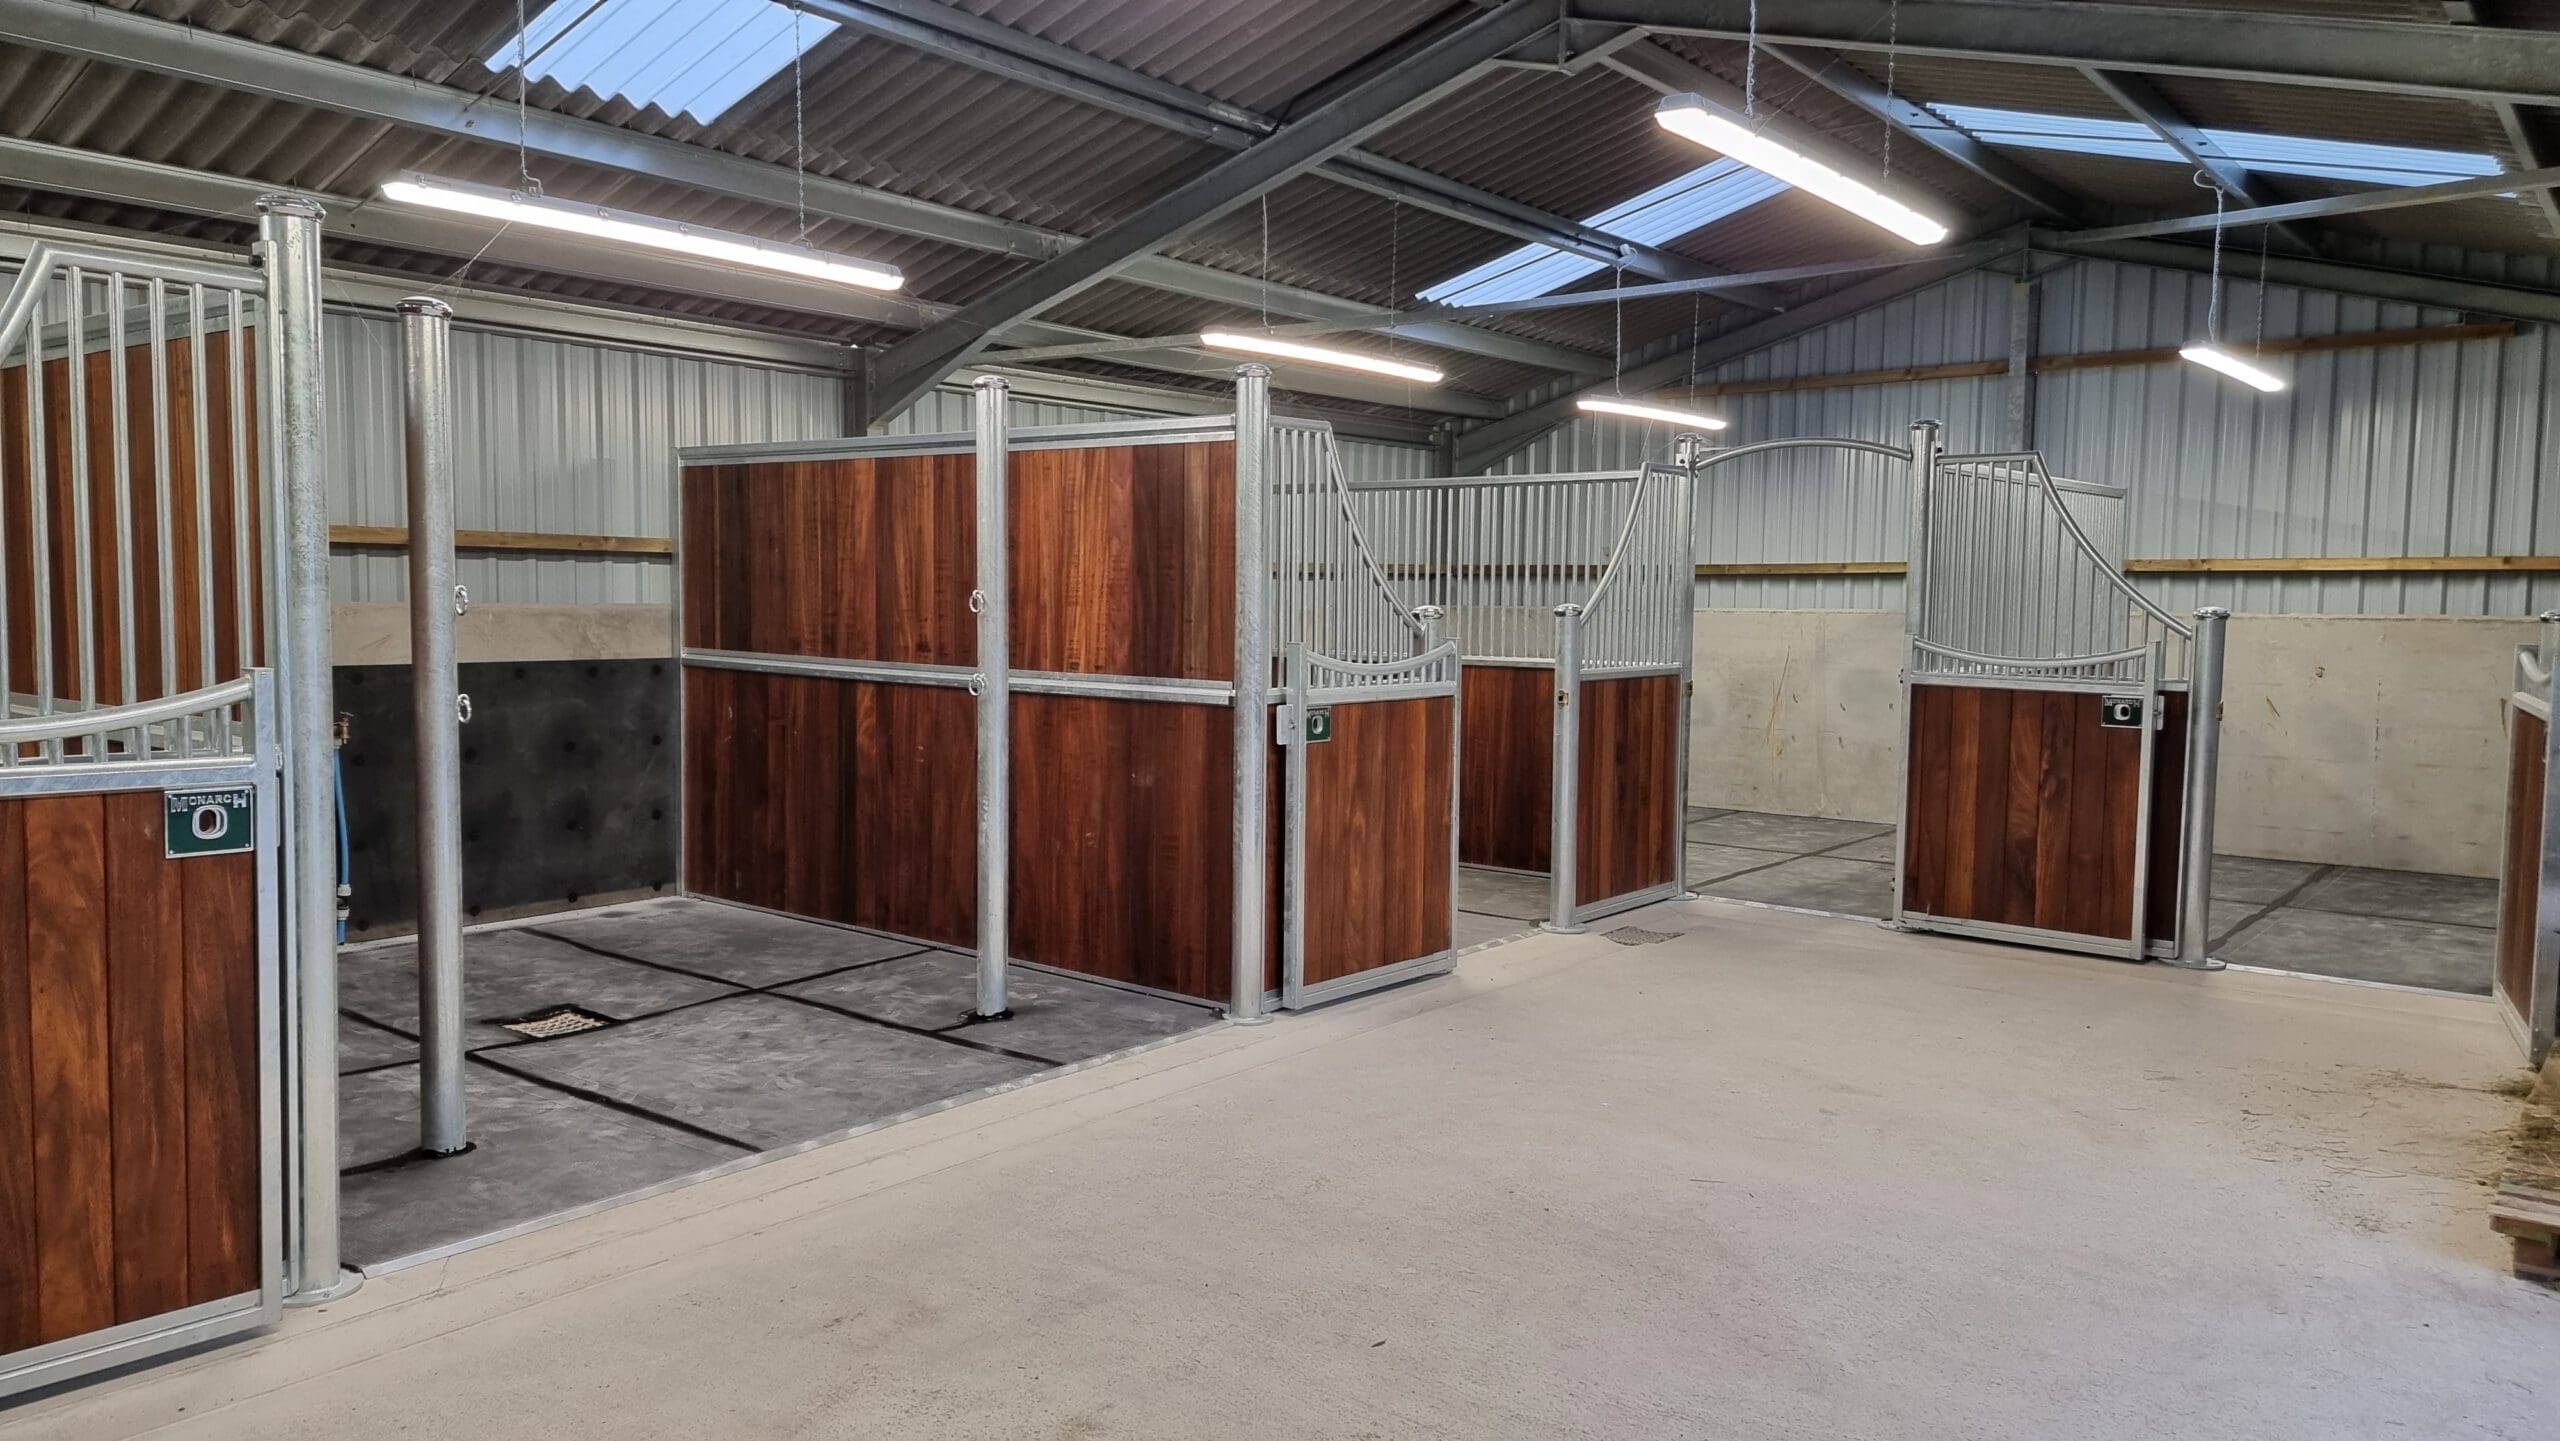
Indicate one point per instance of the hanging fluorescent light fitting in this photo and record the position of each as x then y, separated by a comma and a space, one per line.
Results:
1319, 355
2209, 352
624, 227
1701, 121
1605, 405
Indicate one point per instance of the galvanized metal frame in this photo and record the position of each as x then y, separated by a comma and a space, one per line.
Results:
251, 757
990, 399
2035, 603
2535, 690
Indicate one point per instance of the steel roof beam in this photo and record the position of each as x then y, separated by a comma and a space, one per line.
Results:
1926, 126
916, 364
135, 41
2443, 292
1000, 50
144, 183
2456, 61
2143, 101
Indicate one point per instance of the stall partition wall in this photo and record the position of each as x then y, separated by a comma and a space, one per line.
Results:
2527, 981
2053, 719
1570, 599
829, 661
144, 1053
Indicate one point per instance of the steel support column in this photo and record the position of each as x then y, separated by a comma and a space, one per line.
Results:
992, 398
436, 708
2204, 765
1564, 787
1251, 818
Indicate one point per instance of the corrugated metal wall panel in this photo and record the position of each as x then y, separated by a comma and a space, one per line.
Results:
2422, 450
549, 435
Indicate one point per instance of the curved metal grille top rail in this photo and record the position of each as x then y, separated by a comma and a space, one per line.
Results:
214, 723
2021, 567
1329, 592
1640, 614
130, 564
1499, 554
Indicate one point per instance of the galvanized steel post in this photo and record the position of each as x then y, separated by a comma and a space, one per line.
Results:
426, 332
1253, 691
1688, 452
1915, 585
1431, 619
991, 399
1564, 794
2204, 763
298, 569
2541, 1004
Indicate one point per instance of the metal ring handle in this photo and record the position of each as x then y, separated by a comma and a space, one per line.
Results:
462, 600
462, 708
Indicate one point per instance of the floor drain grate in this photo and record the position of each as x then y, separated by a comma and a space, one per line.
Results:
553, 1022
1632, 936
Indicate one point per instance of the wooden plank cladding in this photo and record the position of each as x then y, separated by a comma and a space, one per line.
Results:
1506, 765
2520, 872
1122, 560
212, 502
2023, 811
1122, 866
842, 800
1378, 873
846, 559
1625, 836
129, 1144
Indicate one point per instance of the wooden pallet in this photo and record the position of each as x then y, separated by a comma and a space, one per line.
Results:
2528, 1210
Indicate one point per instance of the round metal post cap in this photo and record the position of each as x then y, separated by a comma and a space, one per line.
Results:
2549, 615
1254, 370
990, 382
2213, 612
426, 305
287, 203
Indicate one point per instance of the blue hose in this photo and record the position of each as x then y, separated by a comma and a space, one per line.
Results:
338, 759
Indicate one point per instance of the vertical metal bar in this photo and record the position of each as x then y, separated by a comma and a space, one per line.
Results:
200, 469
992, 399
1251, 819
1915, 594
297, 506
2204, 762
1684, 632
2138, 942
426, 328
162, 505
1565, 783
1293, 819
249, 579
40, 515
120, 450
84, 594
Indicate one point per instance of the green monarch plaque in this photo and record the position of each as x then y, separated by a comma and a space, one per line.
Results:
1319, 723
2120, 712
210, 823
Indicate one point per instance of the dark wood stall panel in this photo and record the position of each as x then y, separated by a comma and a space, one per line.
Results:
2520, 873
1122, 560
2023, 810
129, 1140
1122, 861
837, 799
1506, 765
227, 495
1378, 838
1625, 839
865, 559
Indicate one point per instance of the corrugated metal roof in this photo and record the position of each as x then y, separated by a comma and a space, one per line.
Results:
915, 124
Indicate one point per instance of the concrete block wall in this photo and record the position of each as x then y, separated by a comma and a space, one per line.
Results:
2354, 740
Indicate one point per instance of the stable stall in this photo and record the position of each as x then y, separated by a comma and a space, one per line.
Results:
153, 1191
1171, 612
1570, 598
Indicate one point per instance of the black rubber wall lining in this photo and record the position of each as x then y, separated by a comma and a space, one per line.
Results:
568, 786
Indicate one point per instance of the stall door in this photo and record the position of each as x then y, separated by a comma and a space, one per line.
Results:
2525, 986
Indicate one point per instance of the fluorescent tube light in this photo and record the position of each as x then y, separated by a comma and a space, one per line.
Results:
1695, 119
2214, 357
624, 227
1319, 355
1597, 405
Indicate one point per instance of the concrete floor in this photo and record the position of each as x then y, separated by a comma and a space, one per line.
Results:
734, 1032
1775, 1177
2406, 928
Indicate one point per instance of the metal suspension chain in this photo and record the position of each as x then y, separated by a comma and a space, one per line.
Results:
1751, 66
524, 164
1892, 55
2213, 294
